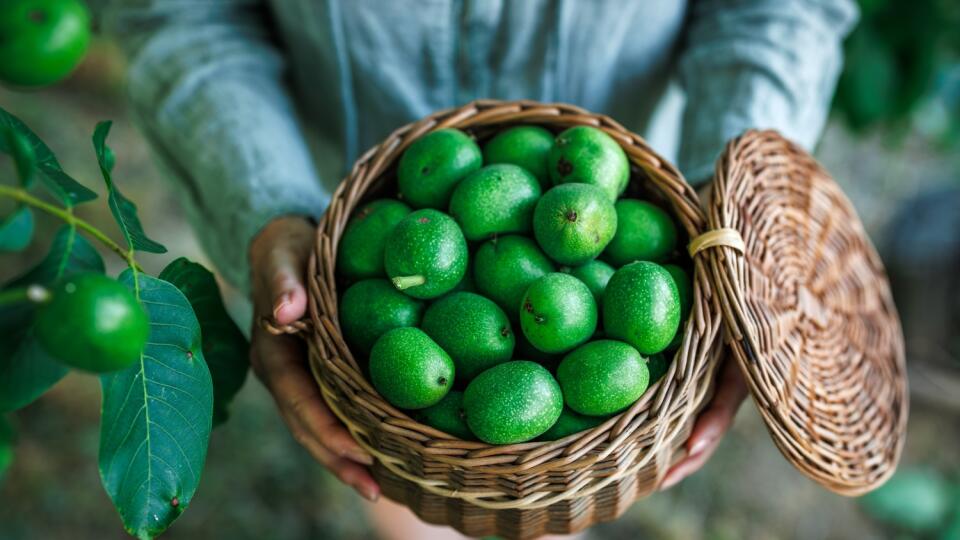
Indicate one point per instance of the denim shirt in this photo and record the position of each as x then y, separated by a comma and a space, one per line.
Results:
256, 108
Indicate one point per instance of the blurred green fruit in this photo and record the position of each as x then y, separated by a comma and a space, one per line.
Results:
41, 41
93, 323
917, 500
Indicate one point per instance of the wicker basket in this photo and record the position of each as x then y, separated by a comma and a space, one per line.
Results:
850, 441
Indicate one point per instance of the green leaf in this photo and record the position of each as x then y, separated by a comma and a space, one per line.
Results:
26, 370
69, 254
123, 210
24, 159
109, 159
16, 230
157, 415
224, 347
67, 190
7, 440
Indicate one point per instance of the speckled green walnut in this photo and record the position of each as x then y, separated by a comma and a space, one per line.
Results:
426, 254
503, 269
645, 232
497, 199
365, 236
569, 423
447, 416
472, 329
371, 307
558, 313
573, 223
594, 274
602, 377
525, 146
433, 165
409, 369
512, 402
641, 306
584, 154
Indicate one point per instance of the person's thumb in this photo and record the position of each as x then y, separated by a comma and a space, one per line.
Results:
284, 271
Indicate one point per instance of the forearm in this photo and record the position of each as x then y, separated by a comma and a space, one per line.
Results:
206, 88
758, 64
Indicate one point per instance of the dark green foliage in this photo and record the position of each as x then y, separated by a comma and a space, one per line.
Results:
224, 347
894, 59
16, 230
67, 190
122, 208
7, 441
26, 370
157, 415
915, 500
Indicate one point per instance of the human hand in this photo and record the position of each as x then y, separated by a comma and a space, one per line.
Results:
278, 262
712, 423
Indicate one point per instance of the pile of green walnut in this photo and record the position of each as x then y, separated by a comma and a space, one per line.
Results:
509, 293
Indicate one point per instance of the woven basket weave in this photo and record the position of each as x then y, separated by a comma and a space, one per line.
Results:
781, 263
809, 308
529, 489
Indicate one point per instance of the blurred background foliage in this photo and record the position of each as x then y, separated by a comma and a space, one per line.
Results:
901, 69
894, 145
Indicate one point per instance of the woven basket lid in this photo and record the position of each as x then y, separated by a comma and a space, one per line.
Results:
810, 318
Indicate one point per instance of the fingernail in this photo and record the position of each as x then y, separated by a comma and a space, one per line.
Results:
355, 454
670, 481
278, 304
700, 445
370, 494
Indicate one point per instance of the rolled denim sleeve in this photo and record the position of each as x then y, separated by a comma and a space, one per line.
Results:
758, 64
206, 84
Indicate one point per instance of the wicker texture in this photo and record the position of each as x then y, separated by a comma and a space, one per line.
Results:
810, 314
529, 489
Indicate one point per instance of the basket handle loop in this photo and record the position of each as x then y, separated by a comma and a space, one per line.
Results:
717, 237
299, 328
